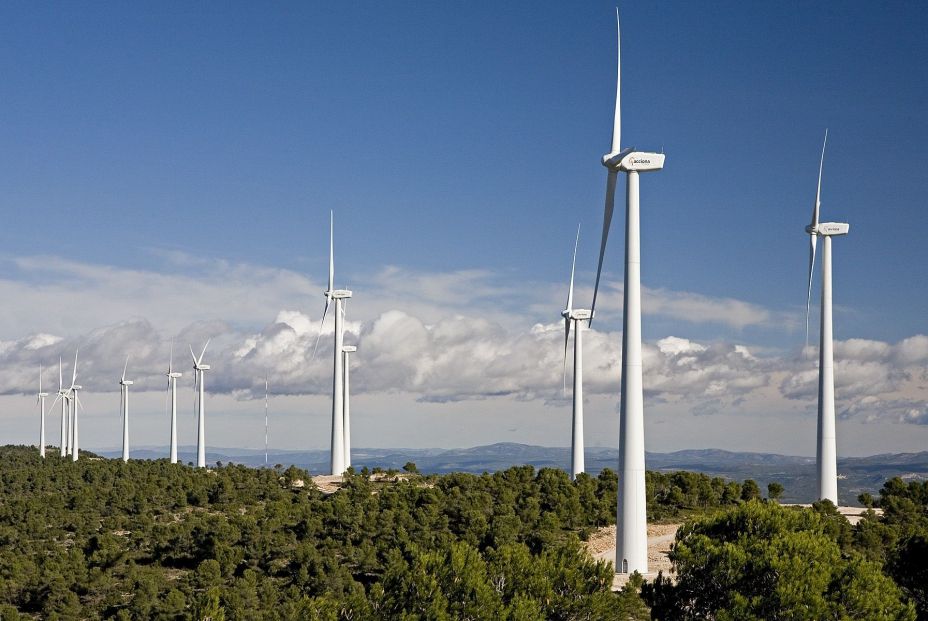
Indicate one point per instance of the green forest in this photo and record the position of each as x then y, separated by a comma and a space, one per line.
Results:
103, 539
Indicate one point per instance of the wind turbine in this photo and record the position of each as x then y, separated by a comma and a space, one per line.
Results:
75, 402
576, 316
347, 349
40, 401
631, 520
172, 376
826, 451
124, 393
65, 411
338, 421
199, 376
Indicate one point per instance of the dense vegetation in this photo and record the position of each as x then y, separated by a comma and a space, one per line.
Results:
148, 540
762, 561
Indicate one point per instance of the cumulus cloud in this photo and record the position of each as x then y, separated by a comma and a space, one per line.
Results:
874, 380
438, 337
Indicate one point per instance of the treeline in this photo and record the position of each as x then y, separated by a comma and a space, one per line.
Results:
150, 540
762, 561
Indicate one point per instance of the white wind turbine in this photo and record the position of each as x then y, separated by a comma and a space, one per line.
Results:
65, 411
199, 376
338, 420
826, 451
347, 349
172, 376
40, 401
576, 316
124, 401
74, 402
631, 518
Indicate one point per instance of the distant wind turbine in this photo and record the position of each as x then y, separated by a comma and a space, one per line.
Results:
65, 411
338, 422
576, 316
347, 349
124, 393
40, 401
631, 518
826, 451
199, 370
172, 376
75, 403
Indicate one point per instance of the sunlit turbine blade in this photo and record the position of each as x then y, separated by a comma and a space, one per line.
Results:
818, 188
78, 399
74, 374
617, 120
331, 250
171, 360
200, 359
124, 368
60, 377
193, 355
607, 222
573, 264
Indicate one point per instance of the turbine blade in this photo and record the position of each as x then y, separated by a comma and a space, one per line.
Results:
124, 368
40, 378
60, 380
171, 360
321, 323
566, 339
200, 359
331, 250
607, 222
78, 399
812, 239
74, 374
573, 264
54, 402
818, 189
617, 120
193, 355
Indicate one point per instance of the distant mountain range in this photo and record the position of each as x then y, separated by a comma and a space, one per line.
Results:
797, 474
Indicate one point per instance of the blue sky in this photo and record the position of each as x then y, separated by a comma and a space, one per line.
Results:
180, 139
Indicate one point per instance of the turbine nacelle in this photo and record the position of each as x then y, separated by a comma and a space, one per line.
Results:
579, 314
125, 382
338, 294
200, 367
630, 160
349, 349
829, 229
43, 394
175, 374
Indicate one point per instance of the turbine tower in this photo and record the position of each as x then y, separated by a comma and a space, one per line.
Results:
40, 401
826, 454
576, 316
199, 375
631, 517
124, 393
172, 376
338, 415
347, 349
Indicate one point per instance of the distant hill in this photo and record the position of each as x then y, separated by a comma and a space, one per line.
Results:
797, 474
